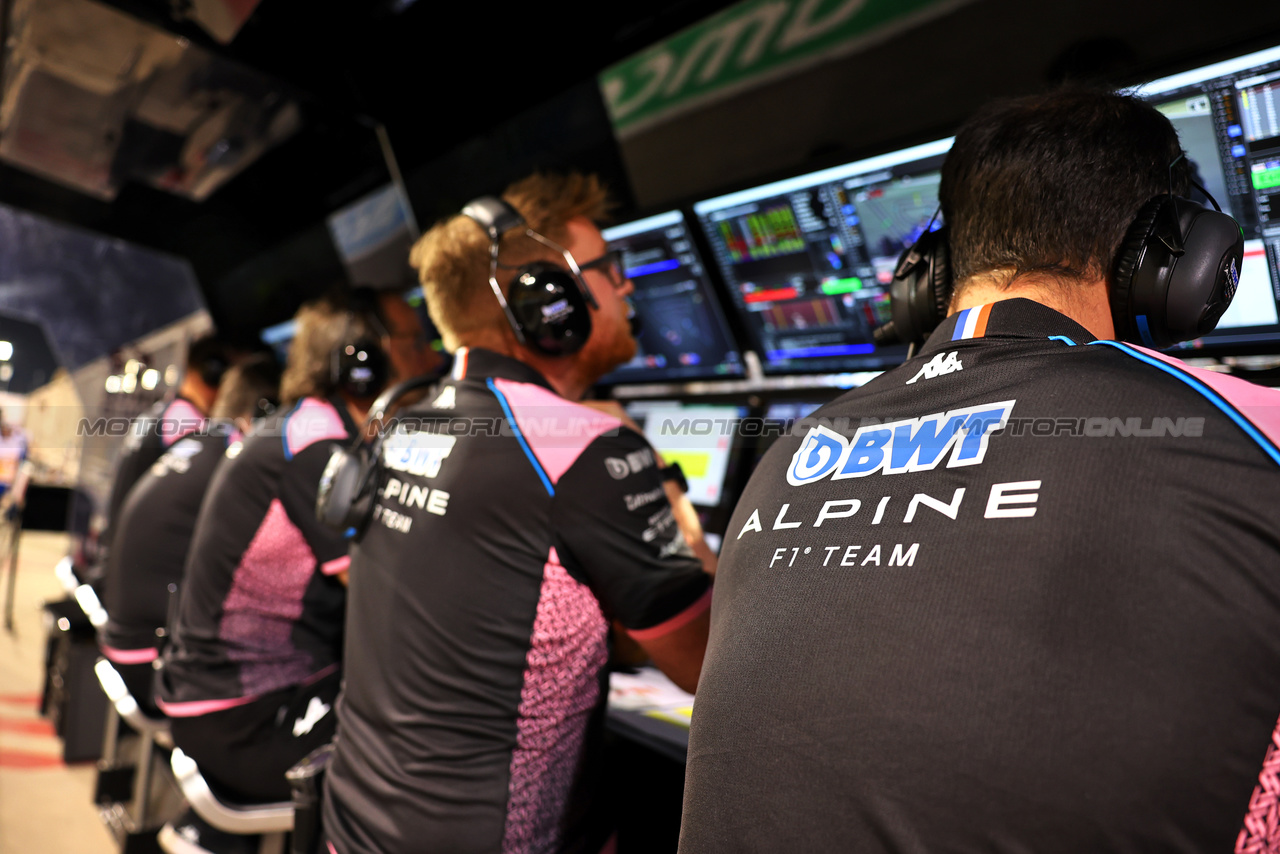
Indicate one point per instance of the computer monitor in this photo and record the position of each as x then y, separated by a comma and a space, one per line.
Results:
702, 438
278, 337
1228, 118
781, 418
415, 298
809, 260
683, 334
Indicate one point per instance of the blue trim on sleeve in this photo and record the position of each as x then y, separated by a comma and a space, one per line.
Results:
284, 430
1268, 447
528, 452
1063, 339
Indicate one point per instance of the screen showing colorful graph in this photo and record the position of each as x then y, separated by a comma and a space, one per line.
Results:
681, 333
809, 260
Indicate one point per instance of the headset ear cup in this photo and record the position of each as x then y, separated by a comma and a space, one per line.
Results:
920, 294
212, 371
1131, 254
940, 281
361, 368
548, 304
340, 487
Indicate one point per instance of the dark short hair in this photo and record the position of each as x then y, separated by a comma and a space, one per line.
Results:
1050, 183
209, 356
247, 387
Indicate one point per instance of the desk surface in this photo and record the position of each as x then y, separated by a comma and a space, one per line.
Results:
647, 708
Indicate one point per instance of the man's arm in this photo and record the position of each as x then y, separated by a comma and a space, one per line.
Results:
617, 530
690, 525
685, 514
678, 653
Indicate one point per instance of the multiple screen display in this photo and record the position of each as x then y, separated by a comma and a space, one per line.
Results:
808, 261
798, 270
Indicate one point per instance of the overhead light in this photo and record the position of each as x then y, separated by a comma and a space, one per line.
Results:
129, 384
171, 375
149, 378
6, 351
113, 384
132, 367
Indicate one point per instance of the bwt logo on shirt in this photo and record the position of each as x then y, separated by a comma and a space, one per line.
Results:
916, 444
419, 454
636, 461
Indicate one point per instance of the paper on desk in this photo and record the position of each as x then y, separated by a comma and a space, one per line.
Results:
651, 693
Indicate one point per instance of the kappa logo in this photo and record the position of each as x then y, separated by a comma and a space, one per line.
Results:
316, 710
943, 363
916, 444
447, 399
636, 461
419, 454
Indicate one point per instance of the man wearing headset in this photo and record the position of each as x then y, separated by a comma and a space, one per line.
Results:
169, 420
942, 626
253, 665
510, 525
156, 522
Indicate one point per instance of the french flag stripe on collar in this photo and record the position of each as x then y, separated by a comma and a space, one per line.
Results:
972, 322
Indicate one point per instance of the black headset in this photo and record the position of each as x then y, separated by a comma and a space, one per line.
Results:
1175, 274
548, 307
213, 369
358, 365
345, 498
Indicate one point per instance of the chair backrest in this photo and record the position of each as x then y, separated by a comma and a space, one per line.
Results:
246, 819
127, 707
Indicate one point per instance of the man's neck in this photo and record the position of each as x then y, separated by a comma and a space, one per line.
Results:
563, 374
1086, 302
200, 395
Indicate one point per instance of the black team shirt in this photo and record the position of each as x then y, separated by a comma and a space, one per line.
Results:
1019, 594
153, 534
150, 435
511, 525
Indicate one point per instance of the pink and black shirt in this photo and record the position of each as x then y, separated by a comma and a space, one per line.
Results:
260, 607
511, 526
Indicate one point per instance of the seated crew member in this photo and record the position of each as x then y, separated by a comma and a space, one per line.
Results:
996, 639
173, 417
253, 664
154, 528
13, 453
494, 558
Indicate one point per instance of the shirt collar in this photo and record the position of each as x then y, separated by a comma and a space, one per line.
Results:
477, 363
1017, 318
